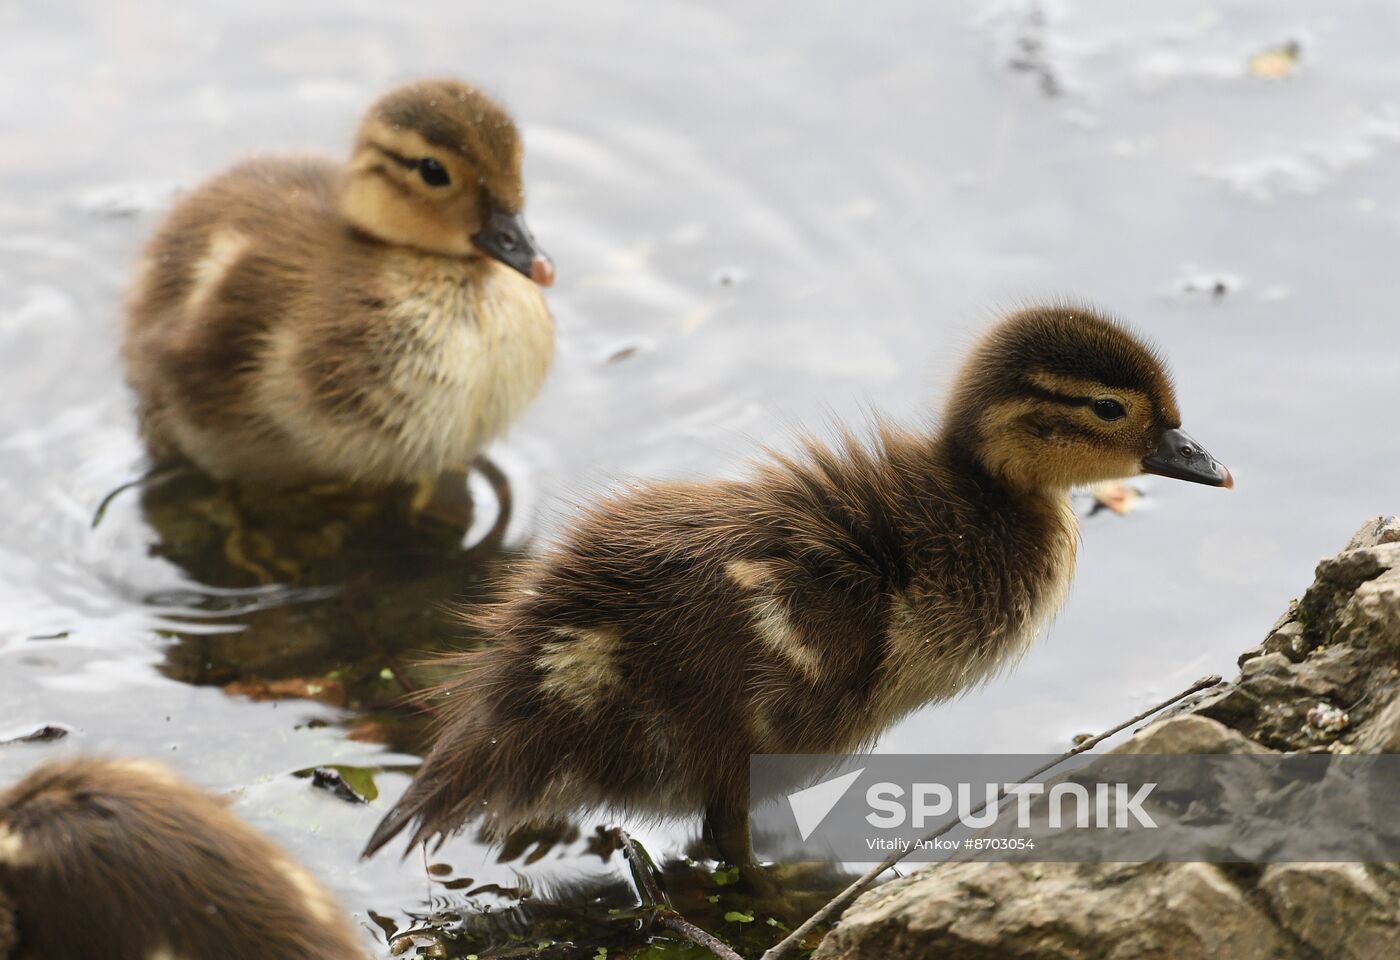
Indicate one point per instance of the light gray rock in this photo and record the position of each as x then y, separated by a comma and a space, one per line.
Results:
1188, 733
1335, 908
1057, 911
1381, 734
1375, 532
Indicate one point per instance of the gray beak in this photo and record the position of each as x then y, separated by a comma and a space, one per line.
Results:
1181, 458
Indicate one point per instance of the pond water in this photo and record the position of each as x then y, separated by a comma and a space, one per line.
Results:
761, 221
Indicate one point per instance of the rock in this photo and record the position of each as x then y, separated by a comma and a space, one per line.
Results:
1287, 639
1188, 734
1375, 532
1057, 911
1338, 583
1372, 617
1382, 733
1325, 679
1335, 908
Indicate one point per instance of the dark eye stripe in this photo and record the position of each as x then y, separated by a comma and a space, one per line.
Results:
1068, 400
398, 158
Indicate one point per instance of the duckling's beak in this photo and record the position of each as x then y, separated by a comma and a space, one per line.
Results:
1181, 458
506, 238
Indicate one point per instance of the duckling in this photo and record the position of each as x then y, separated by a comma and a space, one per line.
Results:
680, 627
123, 859
298, 321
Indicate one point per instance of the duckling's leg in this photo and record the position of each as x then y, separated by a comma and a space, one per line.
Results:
727, 830
241, 543
9, 926
441, 499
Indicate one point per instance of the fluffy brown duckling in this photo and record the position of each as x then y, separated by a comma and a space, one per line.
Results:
299, 320
122, 859
680, 627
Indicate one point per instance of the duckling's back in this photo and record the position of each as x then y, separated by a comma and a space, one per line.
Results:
229, 262
123, 860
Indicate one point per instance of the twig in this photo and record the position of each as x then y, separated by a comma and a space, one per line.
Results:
156, 475
674, 921
863, 883
643, 871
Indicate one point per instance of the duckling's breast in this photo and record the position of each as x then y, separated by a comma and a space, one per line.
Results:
976, 615
436, 359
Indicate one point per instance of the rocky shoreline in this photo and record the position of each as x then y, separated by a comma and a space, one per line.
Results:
1325, 679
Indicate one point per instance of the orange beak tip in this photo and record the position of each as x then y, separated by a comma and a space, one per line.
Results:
542, 271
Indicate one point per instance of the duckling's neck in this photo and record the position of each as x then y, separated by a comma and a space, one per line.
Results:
963, 453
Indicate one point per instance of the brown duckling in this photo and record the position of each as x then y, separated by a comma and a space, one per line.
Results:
680, 627
299, 320
124, 860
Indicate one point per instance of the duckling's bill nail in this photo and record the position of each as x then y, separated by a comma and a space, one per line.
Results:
1181, 458
506, 238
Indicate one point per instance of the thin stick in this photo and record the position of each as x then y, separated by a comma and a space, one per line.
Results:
156, 475
653, 897
641, 870
864, 882
674, 921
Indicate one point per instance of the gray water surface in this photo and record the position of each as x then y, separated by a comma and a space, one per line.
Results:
763, 219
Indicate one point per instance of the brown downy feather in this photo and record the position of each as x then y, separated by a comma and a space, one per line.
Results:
297, 319
121, 859
678, 628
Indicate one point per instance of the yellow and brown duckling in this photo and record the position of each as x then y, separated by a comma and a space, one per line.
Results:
680, 627
299, 320
124, 860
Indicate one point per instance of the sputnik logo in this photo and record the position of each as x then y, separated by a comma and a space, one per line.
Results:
810, 806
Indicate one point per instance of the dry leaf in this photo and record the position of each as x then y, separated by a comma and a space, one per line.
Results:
304, 688
1114, 495
1277, 63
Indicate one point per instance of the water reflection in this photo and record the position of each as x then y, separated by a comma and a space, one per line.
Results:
330, 594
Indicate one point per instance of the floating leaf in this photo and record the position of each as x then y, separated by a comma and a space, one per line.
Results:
322, 689
45, 734
738, 916
1114, 495
1277, 63
352, 784
725, 876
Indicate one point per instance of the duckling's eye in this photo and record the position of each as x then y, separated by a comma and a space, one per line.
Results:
433, 173
1109, 410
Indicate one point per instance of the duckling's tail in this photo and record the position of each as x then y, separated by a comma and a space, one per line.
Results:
422, 803
390, 827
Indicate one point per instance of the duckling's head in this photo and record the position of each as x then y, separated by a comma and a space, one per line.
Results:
436, 165
1055, 397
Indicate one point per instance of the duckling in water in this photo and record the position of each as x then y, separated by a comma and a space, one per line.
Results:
680, 627
297, 320
123, 859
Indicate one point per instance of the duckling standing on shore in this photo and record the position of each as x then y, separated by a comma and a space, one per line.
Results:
122, 859
680, 627
297, 320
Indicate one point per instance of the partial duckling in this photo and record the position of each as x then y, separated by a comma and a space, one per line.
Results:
122, 859
679, 628
299, 320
